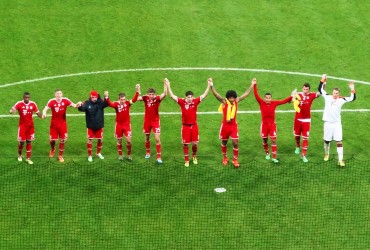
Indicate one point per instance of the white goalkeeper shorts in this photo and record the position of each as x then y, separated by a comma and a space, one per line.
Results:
333, 131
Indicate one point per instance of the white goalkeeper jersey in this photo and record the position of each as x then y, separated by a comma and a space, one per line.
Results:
333, 107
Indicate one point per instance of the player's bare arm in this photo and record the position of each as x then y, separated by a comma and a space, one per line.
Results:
169, 90
76, 105
204, 95
136, 95
163, 95
217, 95
39, 115
12, 111
44, 111
322, 84
248, 91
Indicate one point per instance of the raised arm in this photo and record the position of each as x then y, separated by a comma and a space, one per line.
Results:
163, 95
204, 95
137, 93
247, 92
217, 95
353, 92
322, 84
255, 91
106, 98
169, 90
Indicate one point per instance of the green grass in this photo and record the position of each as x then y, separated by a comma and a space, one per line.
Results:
138, 205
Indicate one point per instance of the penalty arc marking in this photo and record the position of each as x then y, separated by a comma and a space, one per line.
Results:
174, 69
180, 69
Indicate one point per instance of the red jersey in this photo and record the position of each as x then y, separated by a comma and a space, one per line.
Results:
122, 110
189, 110
58, 110
268, 110
151, 108
25, 112
224, 112
305, 105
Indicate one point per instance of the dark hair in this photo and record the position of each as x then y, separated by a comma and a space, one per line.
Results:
306, 84
121, 95
268, 94
189, 93
151, 90
337, 89
231, 93
26, 93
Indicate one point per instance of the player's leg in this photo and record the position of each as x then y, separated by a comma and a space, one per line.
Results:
305, 135
273, 137
224, 137
235, 141
119, 149
338, 138
146, 131
264, 136
328, 136
297, 136
63, 136
90, 137
194, 140
158, 146
21, 140
127, 133
30, 137
118, 134
186, 136
99, 144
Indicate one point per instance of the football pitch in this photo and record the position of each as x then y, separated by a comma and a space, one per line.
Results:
78, 46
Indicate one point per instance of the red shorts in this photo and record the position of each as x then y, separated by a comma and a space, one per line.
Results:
58, 132
95, 133
26, 133
302, 128
189, 133
268, 129
154, 126
122, 129
229, 130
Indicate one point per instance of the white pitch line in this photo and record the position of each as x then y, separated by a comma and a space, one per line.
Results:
207, 112
175, 69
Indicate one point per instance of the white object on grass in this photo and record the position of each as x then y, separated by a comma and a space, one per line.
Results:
220, 190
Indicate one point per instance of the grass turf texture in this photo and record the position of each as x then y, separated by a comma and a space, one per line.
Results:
114, 205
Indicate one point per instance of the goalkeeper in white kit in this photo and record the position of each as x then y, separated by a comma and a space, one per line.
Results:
332, 117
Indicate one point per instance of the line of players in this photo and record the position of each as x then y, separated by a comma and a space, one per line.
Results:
94, 114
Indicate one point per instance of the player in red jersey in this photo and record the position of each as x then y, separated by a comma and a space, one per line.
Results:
152, 121
123, 121
302, 119
189, 128
229, 126
268, 125
26, 128
58, 122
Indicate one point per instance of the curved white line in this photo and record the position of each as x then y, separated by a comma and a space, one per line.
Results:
206, 112
174, 69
